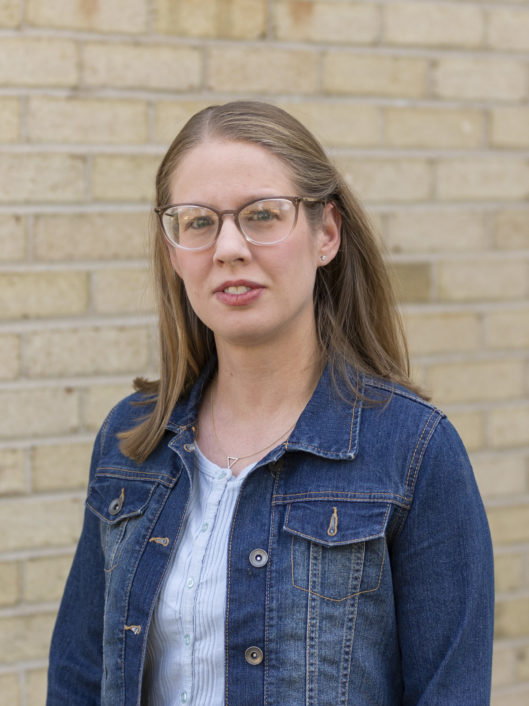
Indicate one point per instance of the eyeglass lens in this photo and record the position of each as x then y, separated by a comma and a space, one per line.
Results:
266, 221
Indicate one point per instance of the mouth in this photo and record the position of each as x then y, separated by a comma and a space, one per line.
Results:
240, 289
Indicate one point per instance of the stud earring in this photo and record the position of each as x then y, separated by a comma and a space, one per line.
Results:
323, 258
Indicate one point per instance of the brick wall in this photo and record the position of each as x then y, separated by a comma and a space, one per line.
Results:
424, 105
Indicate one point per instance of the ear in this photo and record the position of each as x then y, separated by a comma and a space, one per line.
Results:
329, 238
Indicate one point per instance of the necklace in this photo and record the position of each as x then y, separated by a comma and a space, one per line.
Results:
232, 460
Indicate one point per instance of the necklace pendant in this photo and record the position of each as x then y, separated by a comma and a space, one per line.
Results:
231, 460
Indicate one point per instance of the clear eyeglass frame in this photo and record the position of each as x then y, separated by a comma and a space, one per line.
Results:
161, 212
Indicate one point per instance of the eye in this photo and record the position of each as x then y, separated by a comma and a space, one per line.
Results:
199, 223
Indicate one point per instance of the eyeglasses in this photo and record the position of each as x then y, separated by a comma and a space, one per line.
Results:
262, 222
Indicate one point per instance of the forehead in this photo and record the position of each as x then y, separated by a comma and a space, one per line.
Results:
223, 173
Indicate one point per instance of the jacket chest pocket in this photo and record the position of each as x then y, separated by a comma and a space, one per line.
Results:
338, 549
120, 505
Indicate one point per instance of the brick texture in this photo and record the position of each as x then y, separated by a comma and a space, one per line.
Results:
424, 105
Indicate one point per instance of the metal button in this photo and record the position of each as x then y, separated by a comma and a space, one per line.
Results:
115, 506
253, 655
258, 558
189, 447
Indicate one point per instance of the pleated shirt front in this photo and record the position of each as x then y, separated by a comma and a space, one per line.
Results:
185, 649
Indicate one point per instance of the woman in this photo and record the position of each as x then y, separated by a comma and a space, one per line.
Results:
280, 519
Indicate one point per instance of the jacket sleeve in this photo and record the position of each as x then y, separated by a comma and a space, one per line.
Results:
443, 582
75, 667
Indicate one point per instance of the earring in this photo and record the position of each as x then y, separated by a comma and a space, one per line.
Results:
323, 258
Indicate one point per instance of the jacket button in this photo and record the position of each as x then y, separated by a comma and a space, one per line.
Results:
115, 506
258, 558
253, 655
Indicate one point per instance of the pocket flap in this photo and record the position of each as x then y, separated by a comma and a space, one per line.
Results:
113, 499
333, 523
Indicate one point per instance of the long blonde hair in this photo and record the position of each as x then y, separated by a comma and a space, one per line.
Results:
357, 320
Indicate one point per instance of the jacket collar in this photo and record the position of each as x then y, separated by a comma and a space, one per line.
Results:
328, 426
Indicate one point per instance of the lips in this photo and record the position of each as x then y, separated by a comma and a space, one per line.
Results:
238, 293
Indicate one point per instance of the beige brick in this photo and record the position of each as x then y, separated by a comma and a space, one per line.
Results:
25, 638
501, 475
12, 238
509, 524
510, 127
508, 329
99, 401
339, 124
476, 381
60, 466
430, 24
87, 351
171, 116
412, 281
522, 670
10, 689
433, 128
508, 572
388, 179
123, 16
54, 523
9, 356
360, 74
435, 231
125, 178
512, 618
350, 22
39, 177
520, 697
10, 16
482, 280
511, 229
91, 236
167, 68
38, 62
503, 666
9, 119
44, 578
477, 78
471, 428
12, 471
442, 332
236, 19
36, 687
509, 426
122, 290
508, 29
39, 294
262, 70
38, 412
9, 584
88, 120
483, 179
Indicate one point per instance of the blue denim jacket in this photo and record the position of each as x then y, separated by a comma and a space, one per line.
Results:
378, 588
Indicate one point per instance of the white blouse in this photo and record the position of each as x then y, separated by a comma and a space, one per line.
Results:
185, 647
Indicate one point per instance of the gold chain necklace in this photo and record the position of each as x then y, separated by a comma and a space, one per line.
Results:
232, 460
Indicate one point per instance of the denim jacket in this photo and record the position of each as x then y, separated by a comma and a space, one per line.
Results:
375, 586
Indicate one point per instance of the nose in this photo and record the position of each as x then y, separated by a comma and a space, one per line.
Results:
231, 245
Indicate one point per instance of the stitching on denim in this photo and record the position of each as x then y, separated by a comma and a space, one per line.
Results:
351, 428
415, 450
268, 593
337, 600
416, 463
132, 474
342, 496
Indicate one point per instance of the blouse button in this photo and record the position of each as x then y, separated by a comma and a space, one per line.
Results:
115, 506
258, 558
253, 655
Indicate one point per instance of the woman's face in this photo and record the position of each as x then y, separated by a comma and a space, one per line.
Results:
249, 294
